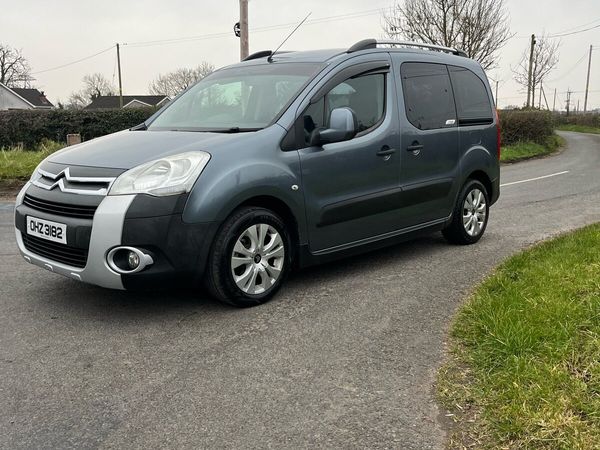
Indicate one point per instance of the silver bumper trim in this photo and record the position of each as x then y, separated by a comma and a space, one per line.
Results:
107, 229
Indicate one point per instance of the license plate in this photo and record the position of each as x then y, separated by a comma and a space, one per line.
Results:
46, 229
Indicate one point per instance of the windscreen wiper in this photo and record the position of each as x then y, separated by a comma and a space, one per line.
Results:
235, 130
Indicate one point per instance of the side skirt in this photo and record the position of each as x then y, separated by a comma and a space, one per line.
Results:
307, 258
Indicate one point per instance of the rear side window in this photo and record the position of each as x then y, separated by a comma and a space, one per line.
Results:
428, 95
472, 99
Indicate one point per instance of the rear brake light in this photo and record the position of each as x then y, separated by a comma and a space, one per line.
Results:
498, 130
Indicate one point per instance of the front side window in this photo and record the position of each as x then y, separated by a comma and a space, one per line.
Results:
472, 100
365, 95
239, 98
428, 95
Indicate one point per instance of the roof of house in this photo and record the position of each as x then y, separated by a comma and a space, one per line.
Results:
112, 101
33, 96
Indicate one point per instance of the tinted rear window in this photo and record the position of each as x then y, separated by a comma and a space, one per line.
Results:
472, 99
428, 95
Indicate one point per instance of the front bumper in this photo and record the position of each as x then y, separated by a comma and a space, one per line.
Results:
151, 224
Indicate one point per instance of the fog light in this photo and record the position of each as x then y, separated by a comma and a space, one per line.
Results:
133, 260
128, 260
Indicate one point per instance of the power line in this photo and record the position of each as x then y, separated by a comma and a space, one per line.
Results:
573, 32
315, 21
568, 31
570, 70
74, 62
578, 26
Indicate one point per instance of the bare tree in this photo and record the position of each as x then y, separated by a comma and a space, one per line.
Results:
545, 59
172, 83
478, 27
94, 85
14, 68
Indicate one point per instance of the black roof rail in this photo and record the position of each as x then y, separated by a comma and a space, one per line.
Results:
363, 45
261, 54
373, 43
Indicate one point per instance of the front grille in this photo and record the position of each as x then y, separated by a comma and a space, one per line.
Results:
60, 209
71, 256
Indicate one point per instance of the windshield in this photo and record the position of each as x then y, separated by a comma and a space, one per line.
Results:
237, 99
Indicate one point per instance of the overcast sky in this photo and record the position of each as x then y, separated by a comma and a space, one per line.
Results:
52, 33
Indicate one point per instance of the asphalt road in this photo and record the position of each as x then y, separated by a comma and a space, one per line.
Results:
345, 356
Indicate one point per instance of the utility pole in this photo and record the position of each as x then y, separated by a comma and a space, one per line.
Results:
120, 82
540, 95
244, 29
568, 100
587, 82
496, 98
545, 99
554, 101
529, 74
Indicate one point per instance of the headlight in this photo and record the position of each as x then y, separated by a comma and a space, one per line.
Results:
166, 176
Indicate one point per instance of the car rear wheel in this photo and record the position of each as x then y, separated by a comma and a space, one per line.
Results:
250, 257
470, 216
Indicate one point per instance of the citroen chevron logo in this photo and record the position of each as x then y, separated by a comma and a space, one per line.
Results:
60, 177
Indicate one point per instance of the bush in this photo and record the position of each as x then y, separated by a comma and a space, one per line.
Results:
526, 126
29, 128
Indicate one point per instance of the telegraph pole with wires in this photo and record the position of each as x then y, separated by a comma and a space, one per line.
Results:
243, 29
120, 82
587, 82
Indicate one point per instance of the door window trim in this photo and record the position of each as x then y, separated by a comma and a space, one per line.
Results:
294, 138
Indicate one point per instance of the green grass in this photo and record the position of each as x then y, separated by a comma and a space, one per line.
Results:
524, 370
528, 150
579, 128
18, 164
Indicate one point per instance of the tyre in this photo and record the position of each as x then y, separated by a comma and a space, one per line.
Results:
470, 215
250, 257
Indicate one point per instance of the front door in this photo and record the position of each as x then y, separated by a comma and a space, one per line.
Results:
351, 188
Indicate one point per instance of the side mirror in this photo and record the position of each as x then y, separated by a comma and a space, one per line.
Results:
343, 126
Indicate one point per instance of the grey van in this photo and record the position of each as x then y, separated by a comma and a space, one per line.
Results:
283, 160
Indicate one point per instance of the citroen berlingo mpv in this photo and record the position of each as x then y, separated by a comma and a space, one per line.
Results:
283, 160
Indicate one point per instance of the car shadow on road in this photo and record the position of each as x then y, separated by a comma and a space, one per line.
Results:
75, 298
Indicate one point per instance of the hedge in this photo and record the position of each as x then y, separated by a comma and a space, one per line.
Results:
29, 127
32, 127
586, 120
526, 126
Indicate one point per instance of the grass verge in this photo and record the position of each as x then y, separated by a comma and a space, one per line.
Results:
524, 370
579, 128
18, 164
528, 150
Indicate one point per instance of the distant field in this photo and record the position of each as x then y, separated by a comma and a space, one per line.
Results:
579, 128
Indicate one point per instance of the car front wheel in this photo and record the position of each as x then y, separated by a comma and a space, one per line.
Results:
250, 258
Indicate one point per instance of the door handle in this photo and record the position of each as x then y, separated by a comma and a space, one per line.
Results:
386, 151
415, 146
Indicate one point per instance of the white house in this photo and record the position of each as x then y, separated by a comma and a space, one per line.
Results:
22, 98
